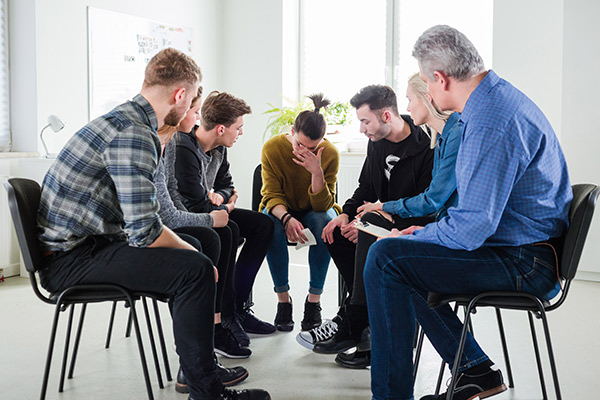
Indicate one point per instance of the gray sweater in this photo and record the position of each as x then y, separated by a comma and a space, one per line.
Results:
172, 211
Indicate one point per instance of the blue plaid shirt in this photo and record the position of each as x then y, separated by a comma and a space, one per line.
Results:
102, 182
511, 175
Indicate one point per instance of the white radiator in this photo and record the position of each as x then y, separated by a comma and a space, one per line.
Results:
350, 166
9, 249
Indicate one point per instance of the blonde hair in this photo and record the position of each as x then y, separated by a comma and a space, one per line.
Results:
419, 88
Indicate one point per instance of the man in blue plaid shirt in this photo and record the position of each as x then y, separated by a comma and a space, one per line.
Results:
99, 220
513, 196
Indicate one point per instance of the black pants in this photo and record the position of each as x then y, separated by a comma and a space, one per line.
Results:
257, 229
186, 276
211, 247
350, 258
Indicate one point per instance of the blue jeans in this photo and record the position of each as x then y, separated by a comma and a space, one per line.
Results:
398, 275
318, 256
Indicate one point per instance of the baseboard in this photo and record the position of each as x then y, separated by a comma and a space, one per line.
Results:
588, 276
11, 270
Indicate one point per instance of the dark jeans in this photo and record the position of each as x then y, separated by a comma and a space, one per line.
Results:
187, 277
350, 258
211, 247
398, 275
257, 229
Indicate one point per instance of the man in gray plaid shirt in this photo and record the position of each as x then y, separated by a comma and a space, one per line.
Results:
99, 220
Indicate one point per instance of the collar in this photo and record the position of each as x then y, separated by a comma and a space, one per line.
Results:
450, 122
148, 110
480, 92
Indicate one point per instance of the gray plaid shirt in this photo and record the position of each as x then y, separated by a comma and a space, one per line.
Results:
102, 182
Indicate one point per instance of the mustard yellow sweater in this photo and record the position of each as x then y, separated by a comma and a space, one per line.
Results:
289, 184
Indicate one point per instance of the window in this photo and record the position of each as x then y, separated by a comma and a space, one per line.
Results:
5, 142
348, 44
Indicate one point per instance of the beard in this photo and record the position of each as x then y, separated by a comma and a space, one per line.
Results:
382, 132
174, 117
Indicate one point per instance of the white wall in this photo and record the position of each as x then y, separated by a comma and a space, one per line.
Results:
252, 70
49, 57
547, 48
581, 107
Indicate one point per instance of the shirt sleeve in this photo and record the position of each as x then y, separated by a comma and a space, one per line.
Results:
187, 172
442, 185
131, 161
324, 199
224, 181
272, 190
486, 170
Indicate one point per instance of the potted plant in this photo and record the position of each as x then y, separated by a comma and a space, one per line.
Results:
281, 119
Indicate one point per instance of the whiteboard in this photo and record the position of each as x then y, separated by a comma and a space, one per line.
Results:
119, 47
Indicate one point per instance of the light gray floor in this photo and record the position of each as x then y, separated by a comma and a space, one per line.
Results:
278, 363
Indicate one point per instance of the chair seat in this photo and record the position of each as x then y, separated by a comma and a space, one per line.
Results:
508, 300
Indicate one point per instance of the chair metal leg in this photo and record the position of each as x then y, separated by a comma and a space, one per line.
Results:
129, 321
138, 336
461, 346
438, 384
152, 343
110, 324
419, 335
537, 357
161, 338
550, 354
504, 349
77, 340
50, 351
66, 350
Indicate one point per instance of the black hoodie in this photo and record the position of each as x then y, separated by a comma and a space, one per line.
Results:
408, 164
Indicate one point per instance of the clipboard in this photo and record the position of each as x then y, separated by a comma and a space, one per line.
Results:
371, 229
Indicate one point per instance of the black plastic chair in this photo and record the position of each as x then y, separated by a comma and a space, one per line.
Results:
24, 200
569, 249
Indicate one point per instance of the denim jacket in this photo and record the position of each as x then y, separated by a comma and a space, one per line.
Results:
441, 193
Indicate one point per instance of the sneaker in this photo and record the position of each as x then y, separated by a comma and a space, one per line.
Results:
247, 394
251, 324
226, 344
312, 315
353, 332
228, 377
283, 319
233, 324
319, 334
354, 360
475, 386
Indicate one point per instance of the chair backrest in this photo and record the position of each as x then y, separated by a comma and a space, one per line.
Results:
580, 218
24, 201
256, 186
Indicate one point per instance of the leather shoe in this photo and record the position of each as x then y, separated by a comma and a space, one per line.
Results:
356, 360
247, 394
228, 376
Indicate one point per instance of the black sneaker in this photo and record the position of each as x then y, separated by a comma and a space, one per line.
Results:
353, 332
251, 324
355, 360
228, 377
474, 386
312, 315
283, 319
226, 344
247, 394
233, 324
319, 334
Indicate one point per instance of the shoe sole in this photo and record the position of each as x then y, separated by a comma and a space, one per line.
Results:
225, 354
304, 343
351, 366
181, 388
489, 393
285, 328
254, 332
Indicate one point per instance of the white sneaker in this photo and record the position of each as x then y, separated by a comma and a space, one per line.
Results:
323, 332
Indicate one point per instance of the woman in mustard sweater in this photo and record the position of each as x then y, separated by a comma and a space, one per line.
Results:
299, 173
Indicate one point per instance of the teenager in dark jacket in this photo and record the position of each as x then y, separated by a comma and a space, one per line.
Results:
398, 164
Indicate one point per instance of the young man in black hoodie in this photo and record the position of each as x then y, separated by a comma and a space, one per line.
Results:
398, 164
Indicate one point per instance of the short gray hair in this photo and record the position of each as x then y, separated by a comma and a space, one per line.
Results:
443, 48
